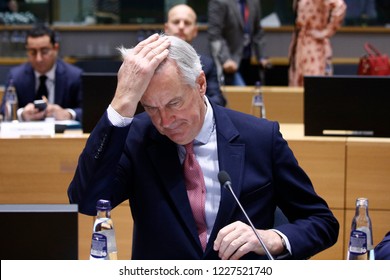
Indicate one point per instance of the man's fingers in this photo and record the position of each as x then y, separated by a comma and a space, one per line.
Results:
136, 72
226, 235
234, 241
151, 47
154, 49
145, 42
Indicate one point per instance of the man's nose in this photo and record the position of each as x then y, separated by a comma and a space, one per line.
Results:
165, 118
39, 56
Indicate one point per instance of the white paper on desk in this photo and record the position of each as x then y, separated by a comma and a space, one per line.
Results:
23, 129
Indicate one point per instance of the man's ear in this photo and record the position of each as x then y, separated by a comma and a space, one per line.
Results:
201, 81
56, 46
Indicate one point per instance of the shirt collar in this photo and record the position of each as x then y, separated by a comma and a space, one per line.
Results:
49, 74
208, 125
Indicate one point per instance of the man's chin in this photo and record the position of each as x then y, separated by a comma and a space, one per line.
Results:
183, 37
178, 138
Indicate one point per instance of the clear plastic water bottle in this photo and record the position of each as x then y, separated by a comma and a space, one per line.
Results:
258, 102
103, 245
11, 103
361, 241
328, 67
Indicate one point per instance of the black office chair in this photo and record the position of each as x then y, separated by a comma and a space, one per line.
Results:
280, 218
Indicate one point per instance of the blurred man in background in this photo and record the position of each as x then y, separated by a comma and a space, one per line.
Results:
237, 40
46, 77
181, 22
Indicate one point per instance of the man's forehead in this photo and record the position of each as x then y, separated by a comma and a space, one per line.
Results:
182, 12
45, 39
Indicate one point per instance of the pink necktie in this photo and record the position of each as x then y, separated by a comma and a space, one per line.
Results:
196, 191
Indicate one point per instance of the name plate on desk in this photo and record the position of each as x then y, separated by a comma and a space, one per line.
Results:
27, 129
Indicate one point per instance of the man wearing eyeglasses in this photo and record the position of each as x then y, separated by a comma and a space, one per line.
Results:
46, 77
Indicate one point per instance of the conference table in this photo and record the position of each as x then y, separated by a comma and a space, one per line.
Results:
39, 170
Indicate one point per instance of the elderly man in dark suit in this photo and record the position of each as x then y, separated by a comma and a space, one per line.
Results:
181, 22
147, 159
46, 77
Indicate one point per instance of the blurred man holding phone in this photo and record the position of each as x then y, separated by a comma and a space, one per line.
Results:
45, 77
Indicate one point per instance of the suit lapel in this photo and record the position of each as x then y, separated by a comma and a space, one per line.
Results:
231, 159
232, 163
235, 7
252, 16
29, 83
60, 78
169, 171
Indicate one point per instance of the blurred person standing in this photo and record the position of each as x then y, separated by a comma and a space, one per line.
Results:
310, 51
360, 12
383, 11
235, 36
45, 76
182, 22
107, 11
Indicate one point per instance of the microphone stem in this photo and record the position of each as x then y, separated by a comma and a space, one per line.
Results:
250, 222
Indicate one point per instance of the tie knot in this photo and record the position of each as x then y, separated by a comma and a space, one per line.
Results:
189, 148
42, 78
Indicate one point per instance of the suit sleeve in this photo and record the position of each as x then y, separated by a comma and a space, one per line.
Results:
216, 24
258, 37
213, 91
312, 226
97, 166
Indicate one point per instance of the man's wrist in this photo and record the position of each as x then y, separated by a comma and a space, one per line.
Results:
285, 253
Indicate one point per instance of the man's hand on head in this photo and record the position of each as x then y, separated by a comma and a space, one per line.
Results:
138, 67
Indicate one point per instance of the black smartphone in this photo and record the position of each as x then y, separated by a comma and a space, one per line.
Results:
40, 104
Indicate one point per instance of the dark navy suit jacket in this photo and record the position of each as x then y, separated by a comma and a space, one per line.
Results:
138, 164
213, 90
382, 250
68, 86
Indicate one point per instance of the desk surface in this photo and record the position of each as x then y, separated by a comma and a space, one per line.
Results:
282, 104
295, 131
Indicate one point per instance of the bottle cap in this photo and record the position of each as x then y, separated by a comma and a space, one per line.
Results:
103, 204
362, 201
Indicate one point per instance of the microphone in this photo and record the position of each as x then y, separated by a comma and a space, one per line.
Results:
224, 180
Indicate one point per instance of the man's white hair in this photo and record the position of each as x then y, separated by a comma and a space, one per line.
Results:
185, 57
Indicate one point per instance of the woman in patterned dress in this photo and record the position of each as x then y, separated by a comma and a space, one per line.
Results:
310, 50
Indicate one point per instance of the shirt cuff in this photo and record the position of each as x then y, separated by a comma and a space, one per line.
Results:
72, 112
19, 114
116, 119
287, 242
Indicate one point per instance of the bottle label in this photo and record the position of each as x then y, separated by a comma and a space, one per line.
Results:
257, 100
99, 246
358, 242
